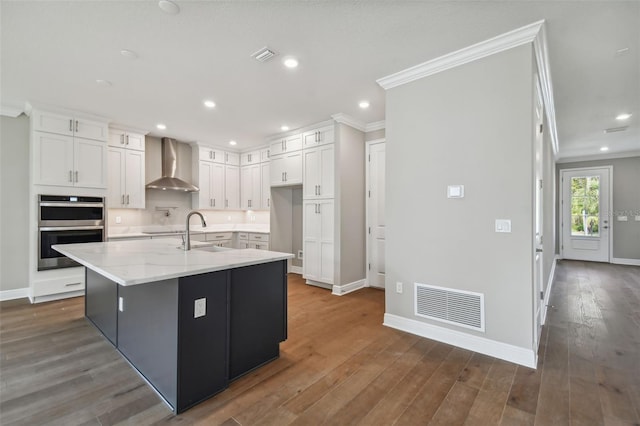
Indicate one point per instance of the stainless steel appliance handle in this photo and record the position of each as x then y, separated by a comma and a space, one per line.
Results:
71, 204
69, 228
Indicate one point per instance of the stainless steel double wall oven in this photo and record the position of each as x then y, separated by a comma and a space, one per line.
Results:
64, 219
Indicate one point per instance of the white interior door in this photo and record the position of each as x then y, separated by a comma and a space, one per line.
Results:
375, 214
586, 208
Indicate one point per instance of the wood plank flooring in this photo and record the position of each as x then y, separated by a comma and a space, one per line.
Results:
340, 366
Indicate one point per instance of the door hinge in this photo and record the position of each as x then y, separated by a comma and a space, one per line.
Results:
542, 295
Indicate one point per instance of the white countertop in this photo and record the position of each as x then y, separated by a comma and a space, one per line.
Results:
143, 261
150, 231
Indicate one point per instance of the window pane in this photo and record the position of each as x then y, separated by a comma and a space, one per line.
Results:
578, 186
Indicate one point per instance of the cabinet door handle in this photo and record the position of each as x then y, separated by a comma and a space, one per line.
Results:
76, 126
214, 202
122, 139
268, 202
285, 144
76, 176
127, 140
71, 125
268, 153
127, 199
122, 200
226, 203
70, 176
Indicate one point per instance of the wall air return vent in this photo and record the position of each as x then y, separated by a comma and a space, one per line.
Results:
263, 55
457, 307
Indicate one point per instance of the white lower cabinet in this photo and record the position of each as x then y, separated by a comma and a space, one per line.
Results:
318, 240
125, 187
220, 239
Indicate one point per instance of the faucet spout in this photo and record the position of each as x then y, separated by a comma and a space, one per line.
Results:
187, 243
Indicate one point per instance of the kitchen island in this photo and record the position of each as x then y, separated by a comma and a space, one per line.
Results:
189, 321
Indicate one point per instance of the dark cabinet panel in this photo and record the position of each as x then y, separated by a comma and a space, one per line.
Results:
257, 315
148, 333
202, 355
101, 304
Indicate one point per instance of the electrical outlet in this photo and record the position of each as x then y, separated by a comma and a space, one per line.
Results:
398, 287
199, 307
118, 219
299, 254
121, 304
637, 218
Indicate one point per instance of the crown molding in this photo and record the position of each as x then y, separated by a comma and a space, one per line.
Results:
10, 110
376, 125
349, 121
604, 156
468, 54
128, 128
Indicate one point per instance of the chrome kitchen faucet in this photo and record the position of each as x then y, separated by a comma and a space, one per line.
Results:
187, 244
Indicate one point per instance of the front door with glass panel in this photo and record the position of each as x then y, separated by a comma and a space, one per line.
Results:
586, 214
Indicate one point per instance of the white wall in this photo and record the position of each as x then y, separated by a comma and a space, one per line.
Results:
14, 202
469, 125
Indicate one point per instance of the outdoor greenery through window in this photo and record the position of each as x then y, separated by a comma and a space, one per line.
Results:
585, 206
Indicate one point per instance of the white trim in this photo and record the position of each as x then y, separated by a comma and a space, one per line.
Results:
349, 121
18, 293
609, 156
341, 290
505, 351
547, 291
128, 129
367, 185
58, 296
622, 261
31, 105
468, 54
544, 74
376, 125
315, 126
10, 111
296, 270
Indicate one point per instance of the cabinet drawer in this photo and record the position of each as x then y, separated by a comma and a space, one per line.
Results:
198, 237
260, 246
243, 235
58, 285
259, 237
219, 236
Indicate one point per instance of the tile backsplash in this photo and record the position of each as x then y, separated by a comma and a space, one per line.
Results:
178, 204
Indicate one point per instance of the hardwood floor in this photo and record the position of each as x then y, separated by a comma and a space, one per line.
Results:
340, 366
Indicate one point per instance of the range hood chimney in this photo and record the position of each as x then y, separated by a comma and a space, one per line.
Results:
169, 167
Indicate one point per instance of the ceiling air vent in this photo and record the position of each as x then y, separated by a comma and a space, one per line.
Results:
457, 307
616, 129
264, 54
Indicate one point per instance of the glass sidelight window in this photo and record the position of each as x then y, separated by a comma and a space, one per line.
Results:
585, 206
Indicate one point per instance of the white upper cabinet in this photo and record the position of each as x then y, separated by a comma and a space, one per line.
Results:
319, 172
265, 154
125, 187
248, 158
286, 144
123, 139
213, 155
319, 136
69, 125
286, 169
232, 187
250, 187
265, 182
232, 158
211, 184
66, 161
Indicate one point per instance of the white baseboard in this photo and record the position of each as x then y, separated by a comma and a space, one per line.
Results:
505, 351
341, 290
547, 293
622, 261
296, 270
18, 293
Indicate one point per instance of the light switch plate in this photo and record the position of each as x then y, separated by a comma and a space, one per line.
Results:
455, 191
121, 304
622, 218
118, 219
503, 225
199, 307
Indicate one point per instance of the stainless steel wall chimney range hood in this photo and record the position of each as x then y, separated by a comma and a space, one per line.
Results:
169, 167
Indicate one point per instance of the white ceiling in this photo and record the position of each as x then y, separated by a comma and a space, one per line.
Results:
53, 52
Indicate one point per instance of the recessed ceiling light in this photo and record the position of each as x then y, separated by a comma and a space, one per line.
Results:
284, 128
232, 142
169, 7
161, 126
364, 104
209, 104
624, 116
103, 83
604, 148
290, 62
129, 54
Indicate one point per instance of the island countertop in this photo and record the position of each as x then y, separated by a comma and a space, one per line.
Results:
143, 261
